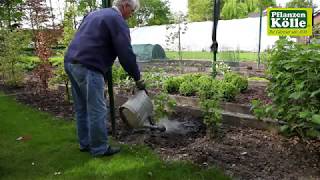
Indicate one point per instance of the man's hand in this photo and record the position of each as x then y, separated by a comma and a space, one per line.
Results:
141, 85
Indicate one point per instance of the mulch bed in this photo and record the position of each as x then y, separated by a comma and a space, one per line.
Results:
253, 93
241, 152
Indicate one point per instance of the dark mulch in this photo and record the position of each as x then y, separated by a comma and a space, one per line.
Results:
52, 101
253, 93
242, 152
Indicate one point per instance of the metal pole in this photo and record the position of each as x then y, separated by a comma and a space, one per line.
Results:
105, 4
313, 35
214, 46
260, 29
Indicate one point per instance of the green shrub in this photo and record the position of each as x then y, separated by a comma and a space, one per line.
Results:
187, 88
11, 46
29, 62
118, 74
209, 89
210, 98
203, 80
163, 105
172, 84
191, 77
295, 88
154, 79
228, 90
61, 77
239, 81
212, 115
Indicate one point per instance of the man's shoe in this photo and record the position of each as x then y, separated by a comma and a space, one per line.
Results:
111, 151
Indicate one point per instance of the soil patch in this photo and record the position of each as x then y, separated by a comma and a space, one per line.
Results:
252, 93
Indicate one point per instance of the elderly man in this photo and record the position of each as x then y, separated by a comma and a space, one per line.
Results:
102, 36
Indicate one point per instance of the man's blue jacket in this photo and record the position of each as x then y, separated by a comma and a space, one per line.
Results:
102, 36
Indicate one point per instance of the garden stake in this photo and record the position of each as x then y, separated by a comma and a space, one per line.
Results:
105, 4
214, 46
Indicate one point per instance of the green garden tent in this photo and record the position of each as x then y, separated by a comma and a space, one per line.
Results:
148, 52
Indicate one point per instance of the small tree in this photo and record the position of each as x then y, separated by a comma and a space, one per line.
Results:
68, 23
39, 14
86, 6
11, 47
10, 13
151, 12
299, 4
200, 10
69, 30
163, 106
175, 31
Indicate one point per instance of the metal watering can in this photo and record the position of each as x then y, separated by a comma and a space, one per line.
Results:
137, 112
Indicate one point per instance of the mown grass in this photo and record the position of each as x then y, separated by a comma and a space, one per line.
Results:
51, 152
35, 59
222, 56
186, 55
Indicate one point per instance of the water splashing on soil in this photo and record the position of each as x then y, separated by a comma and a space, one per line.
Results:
179, 127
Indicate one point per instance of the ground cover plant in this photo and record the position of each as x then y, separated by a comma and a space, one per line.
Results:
36, 145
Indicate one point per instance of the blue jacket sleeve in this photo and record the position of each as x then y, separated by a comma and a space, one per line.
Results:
121, 41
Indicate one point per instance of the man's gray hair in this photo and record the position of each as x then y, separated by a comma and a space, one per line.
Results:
134, 4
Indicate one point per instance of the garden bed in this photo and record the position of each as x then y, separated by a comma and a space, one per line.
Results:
193, 66
242, 152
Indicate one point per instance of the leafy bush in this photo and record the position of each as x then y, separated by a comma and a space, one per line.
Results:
212, 115
163, 105
191, 77
210, 98
11, 47
209, 89
228, 90
190, 84
118, 75
295, 87
239, 81
29, 62
61, 77
154, 79
187, 88
204, 79
172, 84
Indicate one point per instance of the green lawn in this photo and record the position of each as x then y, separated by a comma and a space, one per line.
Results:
52, 152
226, 56
54, 59
186, 55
